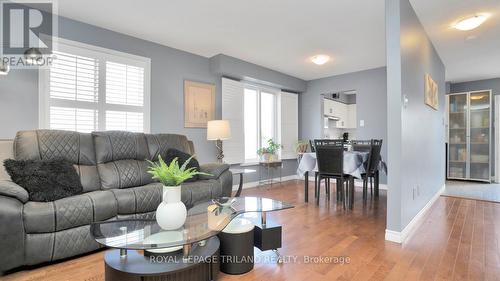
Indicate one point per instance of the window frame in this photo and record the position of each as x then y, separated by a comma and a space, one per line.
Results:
103, 55
275, 92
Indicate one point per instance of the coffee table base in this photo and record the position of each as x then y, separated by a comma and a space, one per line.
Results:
202, 266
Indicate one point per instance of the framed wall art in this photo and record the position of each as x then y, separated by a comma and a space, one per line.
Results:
431, 92
199, 104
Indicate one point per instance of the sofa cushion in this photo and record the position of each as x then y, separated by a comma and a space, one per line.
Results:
159, 144
46, 180
77, 148
202, 190
214, 170
121, 158
182, 157
143, 199
119, 145
43, 217
124, 174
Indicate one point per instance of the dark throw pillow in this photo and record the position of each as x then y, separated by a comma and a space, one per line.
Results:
182, 157
45, 181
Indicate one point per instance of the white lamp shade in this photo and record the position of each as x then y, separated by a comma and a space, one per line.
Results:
218, 130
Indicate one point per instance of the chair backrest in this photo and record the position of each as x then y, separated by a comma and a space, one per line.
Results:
311, 144
330, 159
361, 145
336, 142
374, 158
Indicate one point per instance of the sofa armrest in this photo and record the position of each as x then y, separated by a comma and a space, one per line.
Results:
11, 189
12, 234
214, 169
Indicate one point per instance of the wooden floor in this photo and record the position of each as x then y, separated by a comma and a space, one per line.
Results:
459, 240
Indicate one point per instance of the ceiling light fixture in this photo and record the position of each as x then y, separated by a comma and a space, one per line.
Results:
471, 22
320, 59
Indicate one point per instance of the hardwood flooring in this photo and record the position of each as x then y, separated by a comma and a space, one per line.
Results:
458, 240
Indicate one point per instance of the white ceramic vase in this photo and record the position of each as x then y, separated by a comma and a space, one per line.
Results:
171, 213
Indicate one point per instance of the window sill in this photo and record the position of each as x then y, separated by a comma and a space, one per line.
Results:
249, 164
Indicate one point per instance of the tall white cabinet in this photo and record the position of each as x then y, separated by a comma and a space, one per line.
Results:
469, 136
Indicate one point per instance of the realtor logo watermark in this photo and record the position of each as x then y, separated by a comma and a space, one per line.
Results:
26, 32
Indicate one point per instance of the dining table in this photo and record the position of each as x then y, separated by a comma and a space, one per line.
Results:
354, 165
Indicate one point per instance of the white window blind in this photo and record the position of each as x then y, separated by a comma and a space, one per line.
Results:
74, 77
288, 124
88, 88
124, 84
232, 110
73, 93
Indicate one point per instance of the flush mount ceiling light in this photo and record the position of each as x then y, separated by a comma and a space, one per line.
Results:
471, 22
320, 59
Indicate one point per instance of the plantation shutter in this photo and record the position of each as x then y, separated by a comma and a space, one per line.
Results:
88, 88
73, 93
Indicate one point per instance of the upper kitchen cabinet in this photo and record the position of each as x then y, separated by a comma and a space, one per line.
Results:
344, 114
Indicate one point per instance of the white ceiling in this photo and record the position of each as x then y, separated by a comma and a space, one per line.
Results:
465, 60
278, 34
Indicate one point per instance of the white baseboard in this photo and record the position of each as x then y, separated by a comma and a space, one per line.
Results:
400, 237
256, 183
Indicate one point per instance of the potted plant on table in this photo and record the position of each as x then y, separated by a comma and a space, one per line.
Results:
171, 213
270, 153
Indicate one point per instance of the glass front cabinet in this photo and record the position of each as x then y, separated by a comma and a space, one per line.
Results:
469, 136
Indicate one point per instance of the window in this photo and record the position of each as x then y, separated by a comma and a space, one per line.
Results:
260, 115
251, 121
89, 88
257, 114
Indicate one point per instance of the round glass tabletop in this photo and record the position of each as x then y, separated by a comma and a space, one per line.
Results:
203, 221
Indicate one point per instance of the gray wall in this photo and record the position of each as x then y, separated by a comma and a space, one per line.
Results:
242, 70
493, 84
416, 132
371, 105
169, 68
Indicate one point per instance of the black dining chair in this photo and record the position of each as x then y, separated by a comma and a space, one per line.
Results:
372, 164
361, 145
311, 146
317, 142
331, 166
329, 142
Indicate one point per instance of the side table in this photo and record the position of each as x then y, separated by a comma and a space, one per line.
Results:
241, 172
270, 166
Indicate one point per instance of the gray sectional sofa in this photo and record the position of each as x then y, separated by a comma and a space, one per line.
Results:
112, 168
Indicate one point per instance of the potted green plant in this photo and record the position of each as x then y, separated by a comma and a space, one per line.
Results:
270, 153
171, 213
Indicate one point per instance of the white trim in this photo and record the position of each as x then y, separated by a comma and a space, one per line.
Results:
94, 48
400, 237
256, 183
497, 138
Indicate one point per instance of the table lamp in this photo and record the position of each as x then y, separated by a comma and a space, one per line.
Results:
218, 130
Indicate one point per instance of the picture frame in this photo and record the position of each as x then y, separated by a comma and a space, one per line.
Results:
431, 92
199, 104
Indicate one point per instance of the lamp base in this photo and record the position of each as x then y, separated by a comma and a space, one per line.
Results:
220, 153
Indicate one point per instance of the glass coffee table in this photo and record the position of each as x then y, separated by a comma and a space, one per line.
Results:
189, 251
